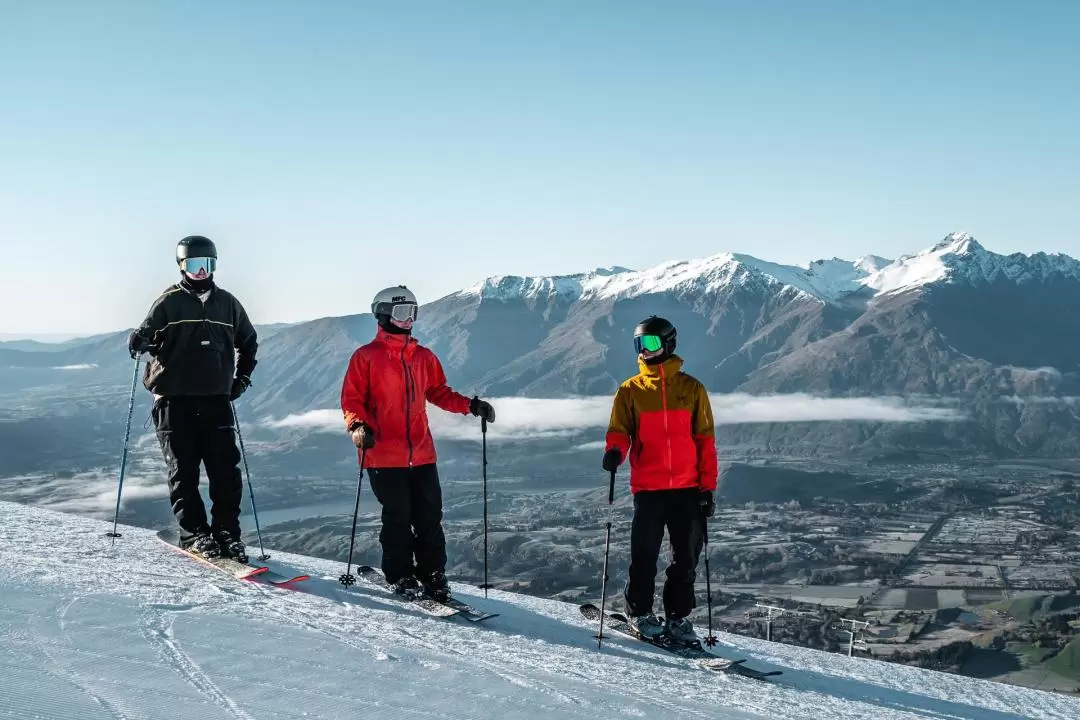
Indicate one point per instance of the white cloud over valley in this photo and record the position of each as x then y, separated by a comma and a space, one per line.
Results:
534, 417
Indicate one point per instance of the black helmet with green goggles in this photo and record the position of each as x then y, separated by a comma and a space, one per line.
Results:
654, 339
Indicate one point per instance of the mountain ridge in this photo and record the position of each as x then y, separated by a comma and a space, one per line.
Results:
822, 279
954, 321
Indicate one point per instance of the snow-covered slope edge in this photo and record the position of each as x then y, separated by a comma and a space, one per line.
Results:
91, 630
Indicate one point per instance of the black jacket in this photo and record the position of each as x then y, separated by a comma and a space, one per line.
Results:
194, 344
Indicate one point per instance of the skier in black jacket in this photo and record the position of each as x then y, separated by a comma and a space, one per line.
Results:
202, 348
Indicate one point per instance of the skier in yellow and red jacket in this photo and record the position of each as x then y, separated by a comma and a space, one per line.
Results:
662, 419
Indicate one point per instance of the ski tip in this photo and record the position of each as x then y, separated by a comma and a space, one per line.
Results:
286, 581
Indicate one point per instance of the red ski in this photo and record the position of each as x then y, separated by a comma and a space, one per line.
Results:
239, 570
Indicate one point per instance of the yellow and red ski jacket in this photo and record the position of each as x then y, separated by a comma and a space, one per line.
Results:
663, 419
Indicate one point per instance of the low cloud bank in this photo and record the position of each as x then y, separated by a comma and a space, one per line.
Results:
1043, 400
535, 418
89, 493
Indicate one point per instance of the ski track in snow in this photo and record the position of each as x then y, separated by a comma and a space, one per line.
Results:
158, 630
129, 629
114, 706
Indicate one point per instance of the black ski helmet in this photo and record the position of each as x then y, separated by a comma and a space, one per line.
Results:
660, 327
195, 246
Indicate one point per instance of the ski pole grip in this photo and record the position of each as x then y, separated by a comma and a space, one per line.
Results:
483, 424
611, 489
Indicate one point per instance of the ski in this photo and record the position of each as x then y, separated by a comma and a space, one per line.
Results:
373, 577
278, 579
239, 570
431, 606
702, 657
468, 611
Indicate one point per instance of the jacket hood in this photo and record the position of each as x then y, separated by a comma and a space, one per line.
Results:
395, 340
669, 367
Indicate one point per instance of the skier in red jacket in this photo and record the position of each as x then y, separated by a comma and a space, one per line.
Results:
384, 399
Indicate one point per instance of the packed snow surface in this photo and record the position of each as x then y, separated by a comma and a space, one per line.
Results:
959, 257
101, 631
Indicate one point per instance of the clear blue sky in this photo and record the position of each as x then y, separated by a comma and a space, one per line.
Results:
333, 148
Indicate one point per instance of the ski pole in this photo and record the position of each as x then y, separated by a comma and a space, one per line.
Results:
348, 579
123, 457
607, 546
263, 557
710, 639
483, 436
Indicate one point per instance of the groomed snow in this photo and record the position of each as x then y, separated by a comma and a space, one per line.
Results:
958, 257
134, 630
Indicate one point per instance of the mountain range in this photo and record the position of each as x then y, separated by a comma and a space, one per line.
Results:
992, 335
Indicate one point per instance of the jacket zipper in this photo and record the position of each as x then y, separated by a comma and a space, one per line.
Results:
408, 405
667, 434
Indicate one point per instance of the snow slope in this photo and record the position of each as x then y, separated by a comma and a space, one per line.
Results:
135, 630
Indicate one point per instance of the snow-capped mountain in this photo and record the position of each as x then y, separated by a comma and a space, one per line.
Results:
955, 321
822, 279
97, 629
959, 258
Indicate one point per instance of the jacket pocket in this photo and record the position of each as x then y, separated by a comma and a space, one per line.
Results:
154, 370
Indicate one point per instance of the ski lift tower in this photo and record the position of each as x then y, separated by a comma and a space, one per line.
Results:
768, 612
853, 643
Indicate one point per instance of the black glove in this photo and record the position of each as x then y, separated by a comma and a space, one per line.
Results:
708, 505
482, 408
612, 459
239, 384
362, 435
137, 344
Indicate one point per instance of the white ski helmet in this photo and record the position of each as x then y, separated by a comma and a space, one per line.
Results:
395, 303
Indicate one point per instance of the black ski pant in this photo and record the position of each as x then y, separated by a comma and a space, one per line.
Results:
412, 535
679, 511
193, 430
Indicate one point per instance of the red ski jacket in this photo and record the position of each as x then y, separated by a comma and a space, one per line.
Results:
387, 386
662, 419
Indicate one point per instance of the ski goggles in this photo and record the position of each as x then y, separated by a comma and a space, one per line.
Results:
195, 266
648, 343
404, 312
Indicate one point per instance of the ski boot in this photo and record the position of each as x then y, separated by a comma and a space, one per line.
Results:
232, 547
681, 630
647, 626
407, 587
436, 587
203, 543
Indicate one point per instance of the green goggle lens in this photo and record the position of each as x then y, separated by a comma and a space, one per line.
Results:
648, 343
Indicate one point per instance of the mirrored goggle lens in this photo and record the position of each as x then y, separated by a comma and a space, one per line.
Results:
648, 343
194, 266
403, 312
